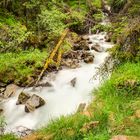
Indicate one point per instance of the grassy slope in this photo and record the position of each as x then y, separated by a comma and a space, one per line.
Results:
115, 108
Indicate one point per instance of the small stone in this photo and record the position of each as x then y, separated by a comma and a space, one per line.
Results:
22, 98
81, 107
73, 82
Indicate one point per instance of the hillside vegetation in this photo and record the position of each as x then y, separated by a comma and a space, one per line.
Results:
30, 31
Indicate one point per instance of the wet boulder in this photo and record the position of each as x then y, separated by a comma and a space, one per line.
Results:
33, 103
10, 90
89, 59
97, 48
22, 98
73, 81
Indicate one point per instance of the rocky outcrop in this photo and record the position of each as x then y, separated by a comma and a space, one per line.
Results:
82, 43
10, 90
22, 98
71, 59
33, 103
73, 81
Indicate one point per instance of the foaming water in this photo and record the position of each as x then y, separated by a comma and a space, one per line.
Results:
62, 98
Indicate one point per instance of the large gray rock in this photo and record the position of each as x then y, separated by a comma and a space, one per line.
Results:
22, 98
97, 48
10, 90
33, 103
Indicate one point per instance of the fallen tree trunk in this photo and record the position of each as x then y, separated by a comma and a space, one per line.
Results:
53, 54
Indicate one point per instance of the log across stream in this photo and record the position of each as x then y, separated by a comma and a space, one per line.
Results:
63, 97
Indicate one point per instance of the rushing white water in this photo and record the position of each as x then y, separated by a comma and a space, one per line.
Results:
61, 98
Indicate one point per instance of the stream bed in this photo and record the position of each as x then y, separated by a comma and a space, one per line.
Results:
62, 98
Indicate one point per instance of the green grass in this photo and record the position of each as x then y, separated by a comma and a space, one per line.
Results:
17, 67
8, 137
114, 107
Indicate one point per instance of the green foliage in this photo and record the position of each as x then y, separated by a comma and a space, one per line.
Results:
98, 16
117, 5
101, 28
97, 3
52, 20
8, 137
134, 9
13, 34
2, 125
18, 67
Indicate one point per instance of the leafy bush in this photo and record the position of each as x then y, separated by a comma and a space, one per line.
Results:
52, 21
